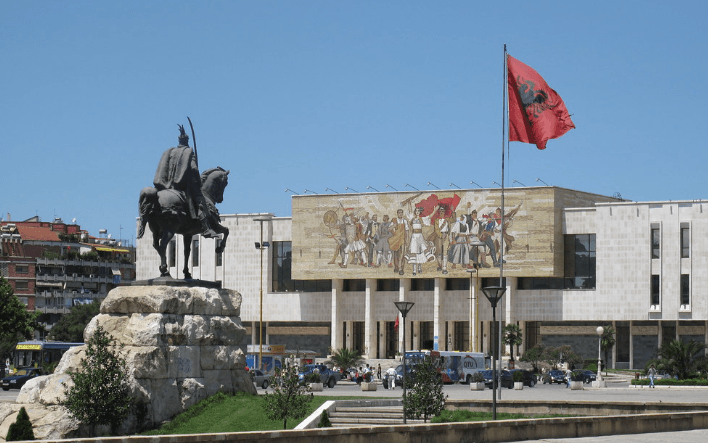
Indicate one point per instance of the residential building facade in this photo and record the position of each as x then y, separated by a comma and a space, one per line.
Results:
53, 266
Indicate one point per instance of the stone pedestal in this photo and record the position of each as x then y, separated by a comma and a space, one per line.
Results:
180, 346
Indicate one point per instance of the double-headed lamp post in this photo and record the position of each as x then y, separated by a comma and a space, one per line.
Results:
261, 246
494, 294
404, 307
600, 331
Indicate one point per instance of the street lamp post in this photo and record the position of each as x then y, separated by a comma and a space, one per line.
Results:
600, 331
261, 246
404, 307
494, 294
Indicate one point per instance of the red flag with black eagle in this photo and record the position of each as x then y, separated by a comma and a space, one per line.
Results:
536, 112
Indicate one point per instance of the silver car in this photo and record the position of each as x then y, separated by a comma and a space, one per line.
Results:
261, 379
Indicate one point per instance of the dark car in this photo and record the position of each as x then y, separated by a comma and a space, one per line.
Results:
554, 376
584, 375
529, 378
328, 377
19, 378
506, 380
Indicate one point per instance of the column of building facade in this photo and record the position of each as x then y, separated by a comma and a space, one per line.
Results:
507, 315
450, 342
337, 339
370, 341
473, 338
631, 344
403, 290
438, 324
382, 340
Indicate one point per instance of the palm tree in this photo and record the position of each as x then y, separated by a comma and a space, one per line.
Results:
512, 337
607, 341
345, 359
681, 358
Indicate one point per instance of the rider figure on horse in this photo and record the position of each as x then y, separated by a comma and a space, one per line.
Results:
178, 170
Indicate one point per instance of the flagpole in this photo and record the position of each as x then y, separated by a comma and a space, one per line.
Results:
505, 118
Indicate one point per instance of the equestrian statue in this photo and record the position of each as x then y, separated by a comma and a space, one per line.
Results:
183, 202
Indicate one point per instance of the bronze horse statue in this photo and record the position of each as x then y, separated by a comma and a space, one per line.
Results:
165, 212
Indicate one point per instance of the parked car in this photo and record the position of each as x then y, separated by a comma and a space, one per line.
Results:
19, 378
584, 375
506, 381
261, 379
529, 378
328, 377
554, 376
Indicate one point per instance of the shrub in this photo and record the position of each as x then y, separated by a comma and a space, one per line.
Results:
312, 377
477, 377
21, 429
324, 421
518, 376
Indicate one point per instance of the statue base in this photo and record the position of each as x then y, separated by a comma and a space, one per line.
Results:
169, 281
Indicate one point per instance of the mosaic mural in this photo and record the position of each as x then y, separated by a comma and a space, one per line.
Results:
424, 234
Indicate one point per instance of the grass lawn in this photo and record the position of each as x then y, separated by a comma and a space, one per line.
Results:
244, 412
227, 413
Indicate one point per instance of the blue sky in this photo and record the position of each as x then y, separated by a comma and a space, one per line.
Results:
336, 94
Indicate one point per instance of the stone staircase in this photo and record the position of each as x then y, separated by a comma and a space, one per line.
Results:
345, 416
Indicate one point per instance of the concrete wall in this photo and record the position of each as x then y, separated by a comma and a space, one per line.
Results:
489, 431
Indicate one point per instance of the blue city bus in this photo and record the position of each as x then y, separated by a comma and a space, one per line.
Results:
38, 353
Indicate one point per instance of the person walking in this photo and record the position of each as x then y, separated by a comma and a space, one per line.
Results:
378, 372
568, 377
652, 375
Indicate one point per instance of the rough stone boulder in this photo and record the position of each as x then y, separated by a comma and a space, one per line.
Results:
180, 346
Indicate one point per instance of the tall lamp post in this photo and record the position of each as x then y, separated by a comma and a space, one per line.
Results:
404, 307
600, 331
261, 246
494, 294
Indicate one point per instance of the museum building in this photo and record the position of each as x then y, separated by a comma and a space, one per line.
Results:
328, 276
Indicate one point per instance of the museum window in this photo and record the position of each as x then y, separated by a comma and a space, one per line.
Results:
22, 269
219, 258
312, 285
579, 256
354, 285
655, 290
281, 277
539, 283
655, 242
195, 252
685, 241
685, 289
423, 284
457, 284
388, 284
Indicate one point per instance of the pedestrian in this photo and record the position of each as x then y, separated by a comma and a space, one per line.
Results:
391, 378
378, 372
568, 377
652, 374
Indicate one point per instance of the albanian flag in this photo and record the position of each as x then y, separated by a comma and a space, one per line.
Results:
536, 112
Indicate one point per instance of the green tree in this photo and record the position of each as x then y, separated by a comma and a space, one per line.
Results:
345, 359
289, 399
534, 356
21, 429
607, 341
16, 322
681, 358
70, 327
100, 394
512, 337
425, 397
